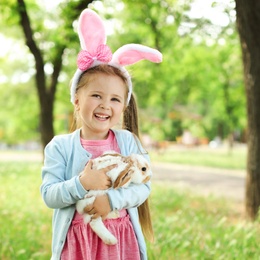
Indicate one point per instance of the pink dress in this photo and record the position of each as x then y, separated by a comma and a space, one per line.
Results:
82, 243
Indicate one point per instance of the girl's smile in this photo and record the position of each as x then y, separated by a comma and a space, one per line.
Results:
100, 104
101, 117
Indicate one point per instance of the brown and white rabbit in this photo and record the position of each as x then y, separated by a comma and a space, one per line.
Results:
130, 169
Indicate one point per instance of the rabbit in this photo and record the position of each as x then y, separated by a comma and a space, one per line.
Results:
130, 169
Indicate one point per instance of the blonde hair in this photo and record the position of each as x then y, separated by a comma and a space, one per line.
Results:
130, 123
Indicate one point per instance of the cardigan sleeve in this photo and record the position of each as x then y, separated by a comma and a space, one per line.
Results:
132, 196
58, 188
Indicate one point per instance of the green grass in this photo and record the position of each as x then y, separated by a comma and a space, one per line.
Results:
202, 156
186, 226
192, 227
25, 231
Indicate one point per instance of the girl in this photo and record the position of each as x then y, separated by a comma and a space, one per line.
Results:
101, 92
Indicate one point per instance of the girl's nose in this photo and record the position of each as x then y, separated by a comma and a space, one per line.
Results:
104, 105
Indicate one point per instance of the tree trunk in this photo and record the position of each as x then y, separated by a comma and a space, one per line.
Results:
46, 94
46, 97
46, 121
248, 23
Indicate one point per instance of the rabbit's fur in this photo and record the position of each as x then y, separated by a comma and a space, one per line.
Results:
130, 169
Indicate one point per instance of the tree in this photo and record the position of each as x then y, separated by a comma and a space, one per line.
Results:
248, 24
46, 89
198, 85
199, 75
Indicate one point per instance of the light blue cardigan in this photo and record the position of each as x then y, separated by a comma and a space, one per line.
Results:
64, 159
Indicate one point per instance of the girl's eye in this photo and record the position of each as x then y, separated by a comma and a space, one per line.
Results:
116, 99
96, 95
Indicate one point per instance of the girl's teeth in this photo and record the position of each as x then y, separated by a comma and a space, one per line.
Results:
102, 116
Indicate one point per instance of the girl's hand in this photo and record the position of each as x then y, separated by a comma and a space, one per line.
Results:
95, 179
99, 208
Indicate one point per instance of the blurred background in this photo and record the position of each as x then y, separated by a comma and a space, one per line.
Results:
195, 97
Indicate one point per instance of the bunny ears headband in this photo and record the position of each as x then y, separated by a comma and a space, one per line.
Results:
94, 51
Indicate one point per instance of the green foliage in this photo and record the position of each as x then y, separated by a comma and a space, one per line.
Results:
198, 86
19, 118
186, 225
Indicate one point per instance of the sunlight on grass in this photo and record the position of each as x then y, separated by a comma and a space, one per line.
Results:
203, 156
192, 227
25, 231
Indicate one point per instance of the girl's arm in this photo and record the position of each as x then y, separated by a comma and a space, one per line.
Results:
132, 196
123, 198
60, 188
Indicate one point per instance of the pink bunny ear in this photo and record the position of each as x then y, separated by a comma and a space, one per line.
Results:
132, 53
91, 31
94, 51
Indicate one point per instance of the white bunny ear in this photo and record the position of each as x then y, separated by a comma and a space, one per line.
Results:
132, 53
91, 31
124, 178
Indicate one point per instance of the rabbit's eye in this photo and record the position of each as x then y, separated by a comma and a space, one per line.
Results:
144, 169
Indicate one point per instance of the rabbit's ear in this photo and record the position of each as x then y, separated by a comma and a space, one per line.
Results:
91, 31
123, 178
132, 53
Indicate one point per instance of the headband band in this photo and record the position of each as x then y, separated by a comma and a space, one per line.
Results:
94, 51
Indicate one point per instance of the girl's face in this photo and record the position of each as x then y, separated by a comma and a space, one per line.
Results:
100, 105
